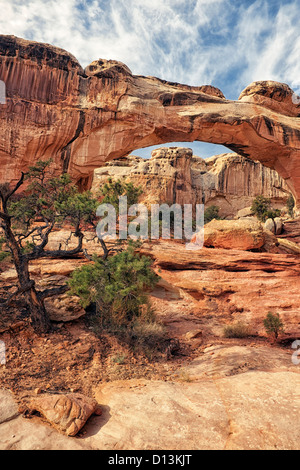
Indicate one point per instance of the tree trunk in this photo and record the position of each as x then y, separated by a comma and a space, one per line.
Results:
38, 314
39, 317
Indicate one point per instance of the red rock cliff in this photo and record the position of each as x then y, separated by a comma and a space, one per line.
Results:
82, 118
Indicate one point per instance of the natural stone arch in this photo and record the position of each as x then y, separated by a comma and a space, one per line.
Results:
82, 118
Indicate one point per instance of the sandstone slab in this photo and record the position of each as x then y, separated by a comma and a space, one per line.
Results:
25, 434
252, 410
221, 286
228, 398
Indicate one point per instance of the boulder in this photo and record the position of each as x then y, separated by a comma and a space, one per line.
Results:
64, 308
274, 225
242, 234
278, 225
67, 413
245, 212
8, 406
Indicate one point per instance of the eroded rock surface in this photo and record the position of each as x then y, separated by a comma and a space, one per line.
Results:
83, 118
67, 413
175, 175
228, 398
219, 286
242, 234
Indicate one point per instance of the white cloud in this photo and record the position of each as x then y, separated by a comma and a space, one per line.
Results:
228, 44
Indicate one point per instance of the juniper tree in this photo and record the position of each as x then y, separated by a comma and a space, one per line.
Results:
110, 193
51, 201
116, 286
261, 206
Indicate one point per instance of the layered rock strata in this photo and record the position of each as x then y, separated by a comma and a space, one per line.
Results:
175, 175
83, 118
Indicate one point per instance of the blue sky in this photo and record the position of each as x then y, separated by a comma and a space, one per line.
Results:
228, 44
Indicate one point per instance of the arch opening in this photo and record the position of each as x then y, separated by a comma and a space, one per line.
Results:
189, 173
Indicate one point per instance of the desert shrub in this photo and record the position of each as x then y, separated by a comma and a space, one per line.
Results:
236, 330
273, 325
116, 286
261, 207
112, 190
4, 256
51, 201
290, 204
212, 212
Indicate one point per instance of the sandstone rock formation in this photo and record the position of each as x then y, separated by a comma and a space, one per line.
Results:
227, 398
224, 286
17, 433
67, 413
274, 225
175, 175
242, 234
83, 118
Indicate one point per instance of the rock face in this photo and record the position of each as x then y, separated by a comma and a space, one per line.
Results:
238, 411
175, 175
83, 118
228, 285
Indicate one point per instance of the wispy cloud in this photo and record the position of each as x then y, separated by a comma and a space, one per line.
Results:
198, 42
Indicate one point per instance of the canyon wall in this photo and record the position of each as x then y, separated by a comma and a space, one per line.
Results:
84, 118
175, 175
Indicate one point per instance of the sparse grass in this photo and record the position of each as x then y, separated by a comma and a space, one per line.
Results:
148, 337
119, 358
184, 376
237, 330
145, 335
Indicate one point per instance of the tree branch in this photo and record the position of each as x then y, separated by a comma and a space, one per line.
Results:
39, 252
45, 294
19, 183
20, 290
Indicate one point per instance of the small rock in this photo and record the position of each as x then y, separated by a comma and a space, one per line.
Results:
195, 334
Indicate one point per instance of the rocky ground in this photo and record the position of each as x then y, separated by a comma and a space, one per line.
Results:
196, 390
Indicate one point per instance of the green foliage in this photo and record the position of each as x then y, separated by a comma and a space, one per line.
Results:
112, 190
4, 255
117, 287
290, 204
261, 207
28, 220
273, 324
52, 200
212, 212
237, 330
272, 214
